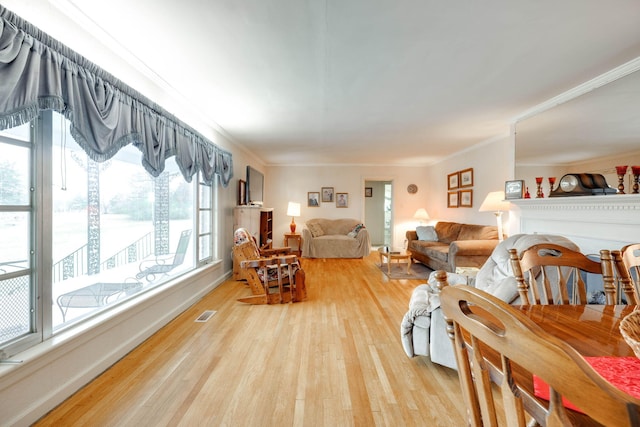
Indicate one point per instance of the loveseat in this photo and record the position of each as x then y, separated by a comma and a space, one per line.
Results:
423, 328
448, 245
335, 238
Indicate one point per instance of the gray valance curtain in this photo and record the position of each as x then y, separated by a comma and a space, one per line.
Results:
37, 73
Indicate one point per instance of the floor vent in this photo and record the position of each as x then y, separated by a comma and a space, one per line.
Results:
206, 316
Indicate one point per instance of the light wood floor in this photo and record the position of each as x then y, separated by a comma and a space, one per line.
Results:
332, 360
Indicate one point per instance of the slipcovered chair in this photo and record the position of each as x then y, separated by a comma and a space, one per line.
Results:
424, 330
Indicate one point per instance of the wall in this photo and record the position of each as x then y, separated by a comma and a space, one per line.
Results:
375, 212
492, 163
291, 183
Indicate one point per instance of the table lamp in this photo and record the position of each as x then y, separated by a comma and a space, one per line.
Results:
495, 202
293, 210
421, 215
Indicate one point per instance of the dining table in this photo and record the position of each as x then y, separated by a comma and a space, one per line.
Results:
593, 330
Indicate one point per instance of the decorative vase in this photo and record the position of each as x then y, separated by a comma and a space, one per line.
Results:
539, 193
552, 181
621, 171
527, 195
636, 178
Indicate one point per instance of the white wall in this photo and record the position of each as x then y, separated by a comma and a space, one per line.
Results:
492, 164
291, 183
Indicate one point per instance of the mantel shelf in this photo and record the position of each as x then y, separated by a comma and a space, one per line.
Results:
594, 222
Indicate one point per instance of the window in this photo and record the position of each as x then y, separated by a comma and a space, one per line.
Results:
105, 232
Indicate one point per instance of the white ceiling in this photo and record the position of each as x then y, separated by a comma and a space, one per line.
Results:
404, 82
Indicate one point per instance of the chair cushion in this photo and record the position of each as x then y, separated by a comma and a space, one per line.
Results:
427, 233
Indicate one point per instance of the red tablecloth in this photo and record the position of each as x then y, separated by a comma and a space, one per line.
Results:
622, 372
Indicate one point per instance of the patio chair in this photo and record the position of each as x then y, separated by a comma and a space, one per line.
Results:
164, 264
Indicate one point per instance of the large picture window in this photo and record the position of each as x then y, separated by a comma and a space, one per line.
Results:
112, 230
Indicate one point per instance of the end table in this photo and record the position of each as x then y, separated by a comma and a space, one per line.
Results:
298, 238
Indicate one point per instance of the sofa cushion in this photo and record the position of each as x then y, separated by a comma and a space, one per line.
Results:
315, 229
427, 233
448, 231
478, 232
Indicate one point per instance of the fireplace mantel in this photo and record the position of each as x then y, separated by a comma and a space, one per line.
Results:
593, 222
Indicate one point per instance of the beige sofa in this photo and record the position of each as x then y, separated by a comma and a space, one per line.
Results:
448, 245
335, 238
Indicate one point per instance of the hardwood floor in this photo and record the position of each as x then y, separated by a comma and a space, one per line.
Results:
332, 360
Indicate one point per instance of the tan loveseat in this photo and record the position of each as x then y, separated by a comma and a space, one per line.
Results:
448, 245
335, 238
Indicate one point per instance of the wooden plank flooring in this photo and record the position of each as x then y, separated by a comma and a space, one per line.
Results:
332, 360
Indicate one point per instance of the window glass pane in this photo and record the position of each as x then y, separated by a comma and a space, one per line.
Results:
15, 307
205, 222
14, 174
205, 246
117, 231
15, 247
205, 196
22, 133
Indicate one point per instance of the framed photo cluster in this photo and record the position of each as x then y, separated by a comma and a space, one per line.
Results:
459, 194
327, 195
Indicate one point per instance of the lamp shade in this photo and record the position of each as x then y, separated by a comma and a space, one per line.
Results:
421, 214
494, 202
293, 209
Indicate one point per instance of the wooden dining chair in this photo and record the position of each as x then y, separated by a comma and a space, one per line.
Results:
627, 268
493, 341
551, 274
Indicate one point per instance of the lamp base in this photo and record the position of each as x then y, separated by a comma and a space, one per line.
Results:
292, 226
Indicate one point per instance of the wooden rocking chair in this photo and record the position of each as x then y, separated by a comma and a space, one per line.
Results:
275, 277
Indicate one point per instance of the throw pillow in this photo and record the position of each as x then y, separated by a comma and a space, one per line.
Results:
315, 229
427, 233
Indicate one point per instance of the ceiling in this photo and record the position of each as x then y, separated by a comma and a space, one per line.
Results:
404, 82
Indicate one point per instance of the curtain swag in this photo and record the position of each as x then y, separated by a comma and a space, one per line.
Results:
39, 73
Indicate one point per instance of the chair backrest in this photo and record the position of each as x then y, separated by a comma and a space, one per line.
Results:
181, 250
552, 274
627, 264
492, 338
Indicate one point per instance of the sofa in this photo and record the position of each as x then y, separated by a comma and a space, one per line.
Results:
448, 245
423, 328
335, 238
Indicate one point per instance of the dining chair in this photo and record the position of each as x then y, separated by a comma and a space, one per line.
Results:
494, 341
627, 265
551, 274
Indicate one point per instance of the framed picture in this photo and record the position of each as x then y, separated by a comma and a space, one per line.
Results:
514, 189
368, 191
452, 181
466, 198
466, 178
342, 200
242, 192
313, 199
327, 194
452, 199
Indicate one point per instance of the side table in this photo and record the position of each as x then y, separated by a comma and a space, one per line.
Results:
298, 238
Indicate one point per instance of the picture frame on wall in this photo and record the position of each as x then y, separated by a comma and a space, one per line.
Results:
452, 181
466, 178
465, 198
368, 191
327, 194
514, 189
342, 200
452, 199
313, 199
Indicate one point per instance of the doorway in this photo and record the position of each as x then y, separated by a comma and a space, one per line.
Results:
378, 211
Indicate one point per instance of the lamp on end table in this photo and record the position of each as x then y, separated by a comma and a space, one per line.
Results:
293, 210
421, 215
495, 202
